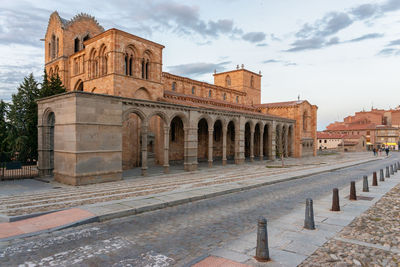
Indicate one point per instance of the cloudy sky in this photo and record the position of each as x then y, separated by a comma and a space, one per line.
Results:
343, 56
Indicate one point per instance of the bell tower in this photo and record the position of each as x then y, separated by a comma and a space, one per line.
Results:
243, 80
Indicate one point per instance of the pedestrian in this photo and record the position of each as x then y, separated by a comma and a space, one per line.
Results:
387, 151
374, 151
379, 152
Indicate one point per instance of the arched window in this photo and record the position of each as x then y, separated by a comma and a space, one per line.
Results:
193, 90
224, 96
143, 68
252, 81
174, 86
76, 44
93, 64
126, 64
130, 65
57, 47
53, 46
49, 54
209, 93
305, 117
227, 81
79, 86
84, 39
237, 99
103, 58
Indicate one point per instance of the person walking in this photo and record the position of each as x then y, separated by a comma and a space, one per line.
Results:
374, 151
387, 151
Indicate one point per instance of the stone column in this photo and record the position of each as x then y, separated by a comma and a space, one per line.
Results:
291, 140
143, 133
210, 147
224, 133
272, 136
239, 140
286, 152
252, 144
261, 143
191, 143
166, 149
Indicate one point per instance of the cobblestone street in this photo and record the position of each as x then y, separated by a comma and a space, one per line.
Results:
176, 235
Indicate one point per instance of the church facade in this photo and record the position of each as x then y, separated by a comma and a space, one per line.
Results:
122, 111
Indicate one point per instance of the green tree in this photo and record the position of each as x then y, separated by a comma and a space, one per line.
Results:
4, 156
22, 118
52, 86
22, 134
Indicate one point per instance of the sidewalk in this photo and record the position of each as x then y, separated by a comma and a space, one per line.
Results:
106, 201
370, 239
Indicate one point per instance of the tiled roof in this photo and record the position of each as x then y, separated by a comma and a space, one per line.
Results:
348, 127
281, 104
325, 135
197, 101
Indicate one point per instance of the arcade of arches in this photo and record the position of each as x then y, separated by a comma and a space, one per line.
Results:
107, 134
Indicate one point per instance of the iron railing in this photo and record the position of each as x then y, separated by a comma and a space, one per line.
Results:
18, 170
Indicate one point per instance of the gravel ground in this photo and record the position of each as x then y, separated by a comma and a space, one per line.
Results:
372, 239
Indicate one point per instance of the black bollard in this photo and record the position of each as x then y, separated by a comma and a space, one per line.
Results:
387, 172
335, 200
309, 218
353, 195
262, 251
391, 169
395, 167
374, 181
381, 177
365, 182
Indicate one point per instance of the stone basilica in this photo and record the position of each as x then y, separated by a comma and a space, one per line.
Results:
122, 111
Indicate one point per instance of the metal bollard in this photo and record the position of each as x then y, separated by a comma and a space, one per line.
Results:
395, 167
365, 182
375, 180
353, 195
381, 177
335, 200
391, 169
262, 251
387, 172
309, 218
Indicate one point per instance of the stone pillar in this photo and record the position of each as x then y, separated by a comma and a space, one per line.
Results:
252, 144
166, 149
239, 140
224, 133
143, 136
191, 142
272, 136
291, 141
210, 147
261, 143
286, 139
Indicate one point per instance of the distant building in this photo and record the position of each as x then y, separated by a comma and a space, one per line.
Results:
380, 127
330, 141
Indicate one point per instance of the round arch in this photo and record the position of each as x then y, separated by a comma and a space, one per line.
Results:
136, 111
78, 85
